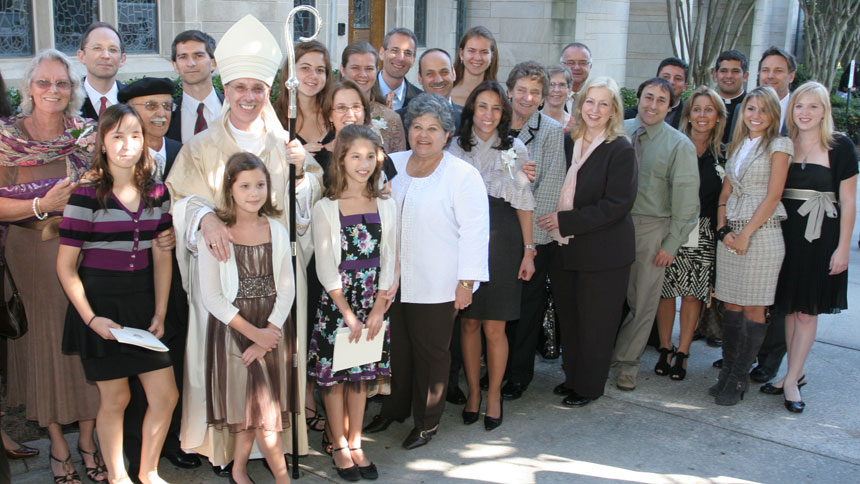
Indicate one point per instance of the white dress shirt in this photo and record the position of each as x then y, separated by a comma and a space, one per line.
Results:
443, 229
96, 97
783, 107
188, 114
399, 92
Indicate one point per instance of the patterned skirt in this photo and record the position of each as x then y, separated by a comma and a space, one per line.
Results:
692, 271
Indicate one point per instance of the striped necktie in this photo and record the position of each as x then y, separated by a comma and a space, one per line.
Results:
200, 124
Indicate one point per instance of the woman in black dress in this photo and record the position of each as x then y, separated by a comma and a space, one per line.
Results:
819, 197
485, 142
691, 274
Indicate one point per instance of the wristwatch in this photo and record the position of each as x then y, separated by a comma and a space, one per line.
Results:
723, 232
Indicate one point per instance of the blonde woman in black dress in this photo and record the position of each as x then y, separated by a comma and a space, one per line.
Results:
819, 198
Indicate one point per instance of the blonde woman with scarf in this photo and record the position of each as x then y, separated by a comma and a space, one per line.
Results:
594, 228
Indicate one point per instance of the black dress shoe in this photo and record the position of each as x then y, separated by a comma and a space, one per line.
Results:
471, 417
771, 389
714, 342
574, 399
795, 407
226, 471
718, 363
485, 382
491, 423
762, 374
455, 396
417, 438
380, 423
513, 390
560, 389
182, 459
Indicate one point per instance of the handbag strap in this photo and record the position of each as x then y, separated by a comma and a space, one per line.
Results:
8, 276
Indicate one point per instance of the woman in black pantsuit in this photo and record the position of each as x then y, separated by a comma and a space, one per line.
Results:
595, 230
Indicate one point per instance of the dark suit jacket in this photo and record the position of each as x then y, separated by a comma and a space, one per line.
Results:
673, 117
87, 110
174, 131
600, 222
411, 91
173, 147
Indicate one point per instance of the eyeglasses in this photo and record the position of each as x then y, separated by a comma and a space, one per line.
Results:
113, 51
396, 50
46, 84
573, 63
153, 106
343, 108
557, 85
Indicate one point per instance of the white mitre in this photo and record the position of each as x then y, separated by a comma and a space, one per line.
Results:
248, 49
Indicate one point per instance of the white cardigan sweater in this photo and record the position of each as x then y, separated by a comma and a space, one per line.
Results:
326, 230
219, 281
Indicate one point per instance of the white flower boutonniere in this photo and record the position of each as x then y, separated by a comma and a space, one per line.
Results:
378, 125
720, 170
509, 159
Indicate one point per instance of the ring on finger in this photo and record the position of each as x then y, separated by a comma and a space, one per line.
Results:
213, 245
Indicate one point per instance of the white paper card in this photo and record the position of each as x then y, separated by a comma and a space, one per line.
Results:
348, 355
138, 337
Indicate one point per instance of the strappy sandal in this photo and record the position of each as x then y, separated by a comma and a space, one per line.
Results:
369, 471
663, 363
99, 469
71, 475
315, 423
326, 443
678, 372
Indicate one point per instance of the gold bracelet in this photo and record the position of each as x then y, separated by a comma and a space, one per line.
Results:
466, 285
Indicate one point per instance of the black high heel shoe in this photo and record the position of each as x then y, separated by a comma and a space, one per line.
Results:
771, 389
491, 423
663, 363
678, 372
471, 417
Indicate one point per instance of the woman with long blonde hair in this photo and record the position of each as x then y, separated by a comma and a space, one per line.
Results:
751, 249
819, 198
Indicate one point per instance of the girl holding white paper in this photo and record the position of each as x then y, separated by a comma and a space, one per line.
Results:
249, 338
354, 239
110, 223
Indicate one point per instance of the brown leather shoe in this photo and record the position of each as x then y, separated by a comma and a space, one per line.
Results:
22, 452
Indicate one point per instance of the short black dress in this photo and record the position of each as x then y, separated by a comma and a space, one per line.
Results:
116, 272
805, 284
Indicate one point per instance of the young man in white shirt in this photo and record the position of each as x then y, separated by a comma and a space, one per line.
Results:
193, 55
102, 52
777, 69
398, 55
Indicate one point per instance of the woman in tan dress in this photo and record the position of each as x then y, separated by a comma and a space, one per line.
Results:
43, 153
358, 64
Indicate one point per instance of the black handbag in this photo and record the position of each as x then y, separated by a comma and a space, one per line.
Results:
13, 319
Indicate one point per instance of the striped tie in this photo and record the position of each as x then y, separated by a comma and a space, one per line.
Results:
103, 106
200, 124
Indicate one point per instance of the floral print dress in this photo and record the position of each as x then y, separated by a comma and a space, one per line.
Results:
360, 237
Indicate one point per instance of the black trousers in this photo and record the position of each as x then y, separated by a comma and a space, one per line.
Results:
175, 335
456, 355
420, 361
588, 304
523, 334
773, 347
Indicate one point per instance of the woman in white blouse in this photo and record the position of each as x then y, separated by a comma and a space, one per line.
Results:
484, 141
443, 235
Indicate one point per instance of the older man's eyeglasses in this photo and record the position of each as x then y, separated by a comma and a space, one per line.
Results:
153, 106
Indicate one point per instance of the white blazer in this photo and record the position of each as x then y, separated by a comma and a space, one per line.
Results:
326, 227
